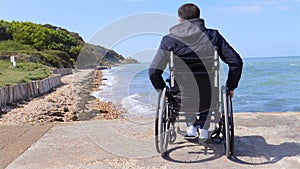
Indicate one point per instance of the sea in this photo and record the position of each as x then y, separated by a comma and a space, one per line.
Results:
268, 84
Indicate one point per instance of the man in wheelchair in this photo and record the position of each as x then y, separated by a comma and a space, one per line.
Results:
193, 46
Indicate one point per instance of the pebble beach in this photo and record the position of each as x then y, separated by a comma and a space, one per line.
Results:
61, 104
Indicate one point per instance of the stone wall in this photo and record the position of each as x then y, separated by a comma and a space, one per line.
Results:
18, 92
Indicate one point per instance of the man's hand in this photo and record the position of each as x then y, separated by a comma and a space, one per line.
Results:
231, 93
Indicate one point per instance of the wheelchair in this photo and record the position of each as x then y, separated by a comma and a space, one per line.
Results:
169, 113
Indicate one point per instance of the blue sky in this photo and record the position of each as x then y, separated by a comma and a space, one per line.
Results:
255, 28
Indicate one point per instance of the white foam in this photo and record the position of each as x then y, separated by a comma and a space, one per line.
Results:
136, 107
107, 75
104, 93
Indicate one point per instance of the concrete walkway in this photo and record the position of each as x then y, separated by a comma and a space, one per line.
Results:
15, 139
263, 140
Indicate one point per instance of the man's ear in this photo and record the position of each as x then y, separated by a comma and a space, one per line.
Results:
180, 20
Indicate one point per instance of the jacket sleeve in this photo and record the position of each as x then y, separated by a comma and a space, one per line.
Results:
234, 61
157, 67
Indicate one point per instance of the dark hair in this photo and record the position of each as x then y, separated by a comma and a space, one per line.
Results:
188, 11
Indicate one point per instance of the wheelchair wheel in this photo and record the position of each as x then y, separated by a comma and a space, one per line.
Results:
228, 123
231, 124
162, 124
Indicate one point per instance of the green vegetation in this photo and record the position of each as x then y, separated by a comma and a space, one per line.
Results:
11, 46
39, 36
38, 48
22, 73
51, 45
47, 44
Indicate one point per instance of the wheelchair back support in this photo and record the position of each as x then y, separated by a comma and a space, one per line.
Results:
196, 82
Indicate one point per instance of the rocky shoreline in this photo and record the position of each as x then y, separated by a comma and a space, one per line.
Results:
71, 101
98, 108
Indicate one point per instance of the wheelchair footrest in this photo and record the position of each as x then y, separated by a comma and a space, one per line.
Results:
183, 133
186, 137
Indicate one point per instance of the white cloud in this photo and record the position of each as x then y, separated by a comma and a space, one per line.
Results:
244, 9
260, 6
264, 3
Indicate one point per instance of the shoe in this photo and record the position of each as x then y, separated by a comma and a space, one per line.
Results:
203, 134
191, 131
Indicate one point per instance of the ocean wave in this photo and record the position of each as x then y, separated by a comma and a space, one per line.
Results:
136, 107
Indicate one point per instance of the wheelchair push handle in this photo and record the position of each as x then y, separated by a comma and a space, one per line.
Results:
172, 67
170, 49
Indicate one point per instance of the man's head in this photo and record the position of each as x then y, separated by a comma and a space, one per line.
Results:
188, 11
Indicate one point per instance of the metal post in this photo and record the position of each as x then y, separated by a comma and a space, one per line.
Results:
12, 59
216, 66
172, 68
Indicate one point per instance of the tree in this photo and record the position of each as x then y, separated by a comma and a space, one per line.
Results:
5, 30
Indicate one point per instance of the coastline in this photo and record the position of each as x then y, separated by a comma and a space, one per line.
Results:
258, 135
55, 106
24, 123
71, 101
108, 110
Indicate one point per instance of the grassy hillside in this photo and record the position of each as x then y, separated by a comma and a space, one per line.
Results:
45, 44
50, 45
40, 48
24, 72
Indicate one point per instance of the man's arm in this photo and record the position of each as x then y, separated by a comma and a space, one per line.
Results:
156, 69
234, 61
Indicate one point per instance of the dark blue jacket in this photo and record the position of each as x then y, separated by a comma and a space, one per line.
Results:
188, 39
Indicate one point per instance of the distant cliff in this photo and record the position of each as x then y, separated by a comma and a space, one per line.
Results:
92, 56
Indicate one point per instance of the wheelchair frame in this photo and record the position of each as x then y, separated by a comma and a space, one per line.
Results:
167, 116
